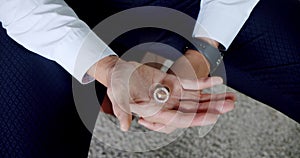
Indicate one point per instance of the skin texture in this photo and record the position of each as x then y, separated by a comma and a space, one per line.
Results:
129, 86
210, 107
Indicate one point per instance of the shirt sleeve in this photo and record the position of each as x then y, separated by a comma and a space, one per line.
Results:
51, 29
221, 20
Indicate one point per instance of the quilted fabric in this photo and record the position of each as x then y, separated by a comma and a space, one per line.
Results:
38, 117
264, 59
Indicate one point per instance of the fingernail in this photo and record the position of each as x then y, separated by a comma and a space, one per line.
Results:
141, 122
123, 128
123, 125
218, 80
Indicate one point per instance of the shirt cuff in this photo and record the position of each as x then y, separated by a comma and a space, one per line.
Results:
80, 52
221, 20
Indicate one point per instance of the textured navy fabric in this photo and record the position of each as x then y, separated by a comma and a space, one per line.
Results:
37, 112
264, 59
93, 13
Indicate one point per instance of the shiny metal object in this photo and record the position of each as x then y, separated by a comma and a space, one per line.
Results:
161, 94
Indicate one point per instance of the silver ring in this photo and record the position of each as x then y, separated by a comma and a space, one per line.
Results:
161, 94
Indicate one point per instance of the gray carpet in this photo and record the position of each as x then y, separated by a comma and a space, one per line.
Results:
251, 130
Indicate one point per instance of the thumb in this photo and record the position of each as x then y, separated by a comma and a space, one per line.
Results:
121, 109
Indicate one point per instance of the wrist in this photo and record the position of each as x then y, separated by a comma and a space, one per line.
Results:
101, 71
196, 55
199, 63
209, 49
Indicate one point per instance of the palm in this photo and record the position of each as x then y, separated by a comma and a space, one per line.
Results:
137, 84
130, 90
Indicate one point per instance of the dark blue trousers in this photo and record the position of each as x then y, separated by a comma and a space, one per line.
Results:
38, 117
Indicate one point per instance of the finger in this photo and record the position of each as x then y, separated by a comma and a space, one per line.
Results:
183, 120
201, 83
198, 97
123, 116
228, 96
222, 96
156, 126
216, 107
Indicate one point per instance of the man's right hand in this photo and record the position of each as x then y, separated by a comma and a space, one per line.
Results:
190, 66
129, 84
194, 60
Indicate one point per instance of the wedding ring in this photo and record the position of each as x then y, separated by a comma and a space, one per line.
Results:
161, 94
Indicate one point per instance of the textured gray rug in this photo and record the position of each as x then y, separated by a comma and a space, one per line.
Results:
251, 130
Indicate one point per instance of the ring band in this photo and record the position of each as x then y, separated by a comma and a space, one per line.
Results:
161, 94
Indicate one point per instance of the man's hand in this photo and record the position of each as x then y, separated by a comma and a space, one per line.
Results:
129, 88
194, 59
201, 69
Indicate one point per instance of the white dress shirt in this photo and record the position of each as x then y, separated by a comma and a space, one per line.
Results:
51, 29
